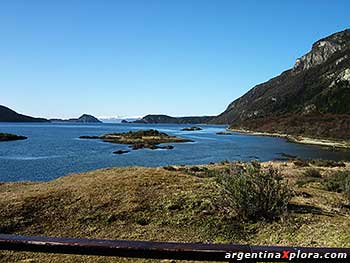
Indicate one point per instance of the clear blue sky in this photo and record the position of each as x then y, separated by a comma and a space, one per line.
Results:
131, 58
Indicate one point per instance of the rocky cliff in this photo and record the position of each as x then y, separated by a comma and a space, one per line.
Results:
312, 98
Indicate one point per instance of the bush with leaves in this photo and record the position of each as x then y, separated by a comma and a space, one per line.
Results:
312, 172
256, 193
340, 183
347, 189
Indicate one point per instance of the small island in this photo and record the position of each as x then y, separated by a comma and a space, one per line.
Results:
4, 137
140, 139
120, 152
194, 128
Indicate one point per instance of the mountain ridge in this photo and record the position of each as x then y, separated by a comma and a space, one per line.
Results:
161, 118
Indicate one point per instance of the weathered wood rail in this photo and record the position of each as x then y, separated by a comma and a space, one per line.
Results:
157, 250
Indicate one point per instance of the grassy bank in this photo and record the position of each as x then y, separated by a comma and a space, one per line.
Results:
185, 204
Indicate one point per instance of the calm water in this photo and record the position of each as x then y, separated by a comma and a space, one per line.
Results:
54, 150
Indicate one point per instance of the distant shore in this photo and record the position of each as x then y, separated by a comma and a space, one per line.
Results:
299, 139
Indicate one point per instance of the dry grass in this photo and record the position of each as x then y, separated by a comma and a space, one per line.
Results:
180, 204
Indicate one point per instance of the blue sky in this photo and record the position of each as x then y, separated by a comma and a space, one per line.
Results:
131, 58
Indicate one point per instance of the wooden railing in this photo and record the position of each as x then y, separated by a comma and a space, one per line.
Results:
157, 250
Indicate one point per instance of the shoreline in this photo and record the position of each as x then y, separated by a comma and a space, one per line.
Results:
341, 144
175, 168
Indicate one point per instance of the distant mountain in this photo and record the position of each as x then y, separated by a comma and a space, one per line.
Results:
85, 118
118, 119
312, 98
153, 119
8, 115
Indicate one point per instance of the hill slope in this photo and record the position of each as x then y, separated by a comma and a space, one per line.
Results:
88, 118
8, 115
311, 99
176, 120
85, 118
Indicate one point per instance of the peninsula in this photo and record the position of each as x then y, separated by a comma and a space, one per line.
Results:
8, 115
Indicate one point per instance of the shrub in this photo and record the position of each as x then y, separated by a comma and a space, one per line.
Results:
169, 168
312, 172
305, 181
255, 193
347, 189
340, 183
327, 163
301, 163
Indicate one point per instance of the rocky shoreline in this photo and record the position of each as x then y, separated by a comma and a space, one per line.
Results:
337, 144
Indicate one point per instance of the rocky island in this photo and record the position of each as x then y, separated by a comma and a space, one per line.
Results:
140, 139
4, 137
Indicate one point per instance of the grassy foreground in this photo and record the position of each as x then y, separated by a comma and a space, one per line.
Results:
184, 204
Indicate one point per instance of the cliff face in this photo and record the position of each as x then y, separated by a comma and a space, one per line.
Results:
8, 115
312, 98
323, 50
152, 119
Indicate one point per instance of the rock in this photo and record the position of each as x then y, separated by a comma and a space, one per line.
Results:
121, 152
224, 133
89, 137
194, 128
322, 50
137, 146
166, 147
4, 137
